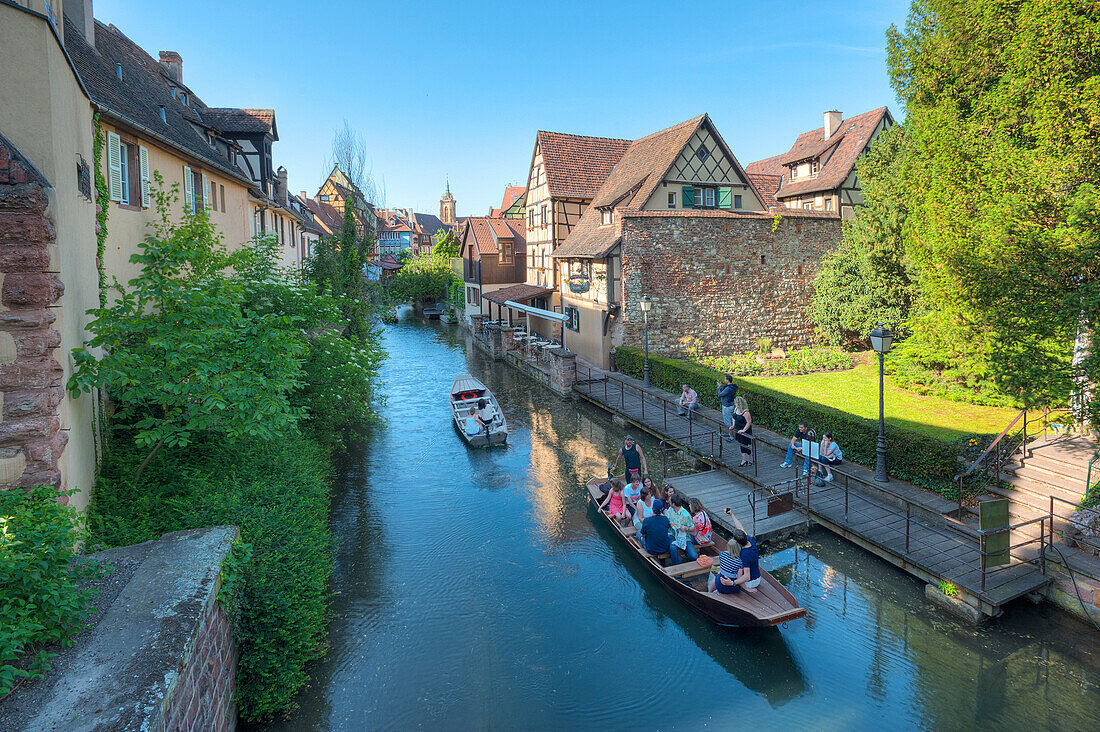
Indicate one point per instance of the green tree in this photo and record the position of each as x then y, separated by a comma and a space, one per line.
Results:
179, 352
447, 247
423, 277
1001, 194
868, 279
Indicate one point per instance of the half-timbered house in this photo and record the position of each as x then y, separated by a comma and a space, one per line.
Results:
494, 261
819, 171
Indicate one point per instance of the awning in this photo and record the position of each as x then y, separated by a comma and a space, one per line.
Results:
517, 293
537, 312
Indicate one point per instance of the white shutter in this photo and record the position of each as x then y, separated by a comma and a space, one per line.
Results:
146, 194
114, 166
206, 202
188, 190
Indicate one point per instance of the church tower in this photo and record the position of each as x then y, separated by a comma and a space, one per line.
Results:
447, 206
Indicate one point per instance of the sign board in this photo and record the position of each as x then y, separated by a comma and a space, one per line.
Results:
780, 504
811, 450
994, 515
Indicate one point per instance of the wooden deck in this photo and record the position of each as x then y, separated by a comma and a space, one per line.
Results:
898, 522
719, 490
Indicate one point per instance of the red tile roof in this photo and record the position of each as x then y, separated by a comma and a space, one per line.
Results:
325, 215
511, 193
767, 185
228, 119
577, 165
850, 139
485, 232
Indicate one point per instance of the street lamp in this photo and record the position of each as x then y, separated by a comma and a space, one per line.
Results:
881, 338
646, 305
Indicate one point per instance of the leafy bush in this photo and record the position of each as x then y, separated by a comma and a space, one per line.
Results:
798, 361
341, 378
919, 459
41, 598
277, 493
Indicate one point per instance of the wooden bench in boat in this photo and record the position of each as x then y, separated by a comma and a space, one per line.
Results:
687, 569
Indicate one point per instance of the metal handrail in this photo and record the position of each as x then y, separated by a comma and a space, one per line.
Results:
1075, 507
1042, 539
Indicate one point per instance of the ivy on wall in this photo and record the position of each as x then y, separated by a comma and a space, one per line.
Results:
102, 197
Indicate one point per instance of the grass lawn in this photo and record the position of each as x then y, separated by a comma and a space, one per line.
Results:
856, 391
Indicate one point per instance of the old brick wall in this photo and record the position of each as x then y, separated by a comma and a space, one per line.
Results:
724, 280
31, 440
203, 697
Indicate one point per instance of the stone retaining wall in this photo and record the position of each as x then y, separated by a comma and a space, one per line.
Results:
721, 282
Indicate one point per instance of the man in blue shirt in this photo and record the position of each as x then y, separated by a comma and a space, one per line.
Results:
727, 393
655, 531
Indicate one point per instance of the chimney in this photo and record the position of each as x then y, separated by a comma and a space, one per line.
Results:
280, 186
832, 123
79, 13
173, 64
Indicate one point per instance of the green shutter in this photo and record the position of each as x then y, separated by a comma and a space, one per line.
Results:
725, 197
689, 197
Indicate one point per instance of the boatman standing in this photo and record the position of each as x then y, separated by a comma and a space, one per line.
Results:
632, 456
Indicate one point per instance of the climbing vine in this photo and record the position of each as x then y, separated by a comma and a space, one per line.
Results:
775, 222
102, 198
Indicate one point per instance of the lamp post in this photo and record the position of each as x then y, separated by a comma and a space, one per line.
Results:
881, 338
646, 305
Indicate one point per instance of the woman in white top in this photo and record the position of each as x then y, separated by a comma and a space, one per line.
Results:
643, 508
830, 454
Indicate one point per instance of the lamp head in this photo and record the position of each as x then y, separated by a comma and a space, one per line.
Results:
645, 304
881, 339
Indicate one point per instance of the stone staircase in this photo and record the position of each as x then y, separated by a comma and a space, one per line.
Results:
1049, 466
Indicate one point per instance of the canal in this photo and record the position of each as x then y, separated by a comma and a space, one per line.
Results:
474, 589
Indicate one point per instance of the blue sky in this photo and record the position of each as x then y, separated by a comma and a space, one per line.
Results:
456, 88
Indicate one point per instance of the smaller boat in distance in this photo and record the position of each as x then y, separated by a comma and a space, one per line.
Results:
770, 605
466, 393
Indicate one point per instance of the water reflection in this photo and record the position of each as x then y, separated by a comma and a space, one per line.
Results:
477, 589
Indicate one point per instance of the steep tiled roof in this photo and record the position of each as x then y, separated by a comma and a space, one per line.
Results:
249, 121
589, 238
517, 293
576, 165
768, 166
429, 223
853, 134
511, 193
767, 185
327, 217
134, 99
644, 163
484, 233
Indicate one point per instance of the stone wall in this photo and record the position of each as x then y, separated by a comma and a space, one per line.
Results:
31, 440
722, 280
159, 654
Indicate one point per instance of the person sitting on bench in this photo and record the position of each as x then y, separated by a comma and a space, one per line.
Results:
485, 412
643, 507
704, 533
682, 525
473, 423
632, 493
615, 503
653, 535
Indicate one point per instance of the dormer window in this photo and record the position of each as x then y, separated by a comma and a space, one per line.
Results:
703, 153
814, 167
794, 172
606, 216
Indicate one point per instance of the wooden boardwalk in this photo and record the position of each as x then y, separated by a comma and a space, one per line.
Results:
897, 521
719, 490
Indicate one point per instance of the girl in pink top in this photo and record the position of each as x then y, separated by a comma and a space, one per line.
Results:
614, 502
703, 533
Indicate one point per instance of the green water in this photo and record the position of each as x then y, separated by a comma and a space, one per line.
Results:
476, 590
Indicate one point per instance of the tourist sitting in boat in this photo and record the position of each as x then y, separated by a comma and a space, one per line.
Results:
729, 567
632, 493
473, 423
682, 527
749, 576
485, 412
643, 507
615, 503
830, 454
704, 532
633, 458
653, 535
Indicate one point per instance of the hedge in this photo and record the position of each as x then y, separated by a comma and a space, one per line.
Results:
911, 456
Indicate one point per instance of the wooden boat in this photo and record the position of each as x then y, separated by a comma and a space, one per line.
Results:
466, 392
771, 604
